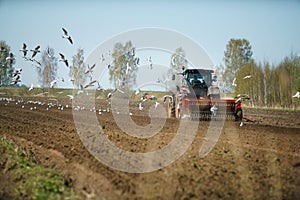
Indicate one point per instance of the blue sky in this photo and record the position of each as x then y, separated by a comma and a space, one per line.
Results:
272, 27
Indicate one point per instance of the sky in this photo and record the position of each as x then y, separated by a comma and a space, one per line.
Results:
271, 26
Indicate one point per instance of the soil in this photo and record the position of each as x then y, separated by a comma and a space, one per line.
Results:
255, 161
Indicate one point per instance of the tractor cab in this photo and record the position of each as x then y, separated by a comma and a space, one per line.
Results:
198, 81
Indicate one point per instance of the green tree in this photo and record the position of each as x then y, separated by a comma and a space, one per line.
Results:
77, 70
124, 69
47, 68
6, 67
238, 53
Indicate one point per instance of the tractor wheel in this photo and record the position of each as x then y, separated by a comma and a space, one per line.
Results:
239, 115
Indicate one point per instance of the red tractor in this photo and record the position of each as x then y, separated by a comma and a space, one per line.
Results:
198, 97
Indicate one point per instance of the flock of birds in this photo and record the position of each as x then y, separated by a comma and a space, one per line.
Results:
24, 50
16, 76
53, 104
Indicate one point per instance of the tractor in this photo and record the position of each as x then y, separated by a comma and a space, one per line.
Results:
198, 97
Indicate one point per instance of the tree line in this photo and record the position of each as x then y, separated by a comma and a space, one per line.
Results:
267, 85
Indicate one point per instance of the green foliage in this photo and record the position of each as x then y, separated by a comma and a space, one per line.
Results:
124, 67
270, 86
6, 68
34, 181
238, 53
77, 70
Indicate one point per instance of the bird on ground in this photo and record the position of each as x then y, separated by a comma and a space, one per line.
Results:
247, 77
63, 59
297, 95
67, 36
70, 96
35, 51
24, 50
52, 83
31, 87
156, 104
140, 106
233, 82
10, 58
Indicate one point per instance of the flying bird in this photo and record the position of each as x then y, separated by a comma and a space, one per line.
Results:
297, 95
233, 82
90, 69
49, 53
63, 59
24, 50
16, 79
247, 77
66, 36
10, 58
35, 51
52, 83
150, 62
109, 95
90, 84
17, 72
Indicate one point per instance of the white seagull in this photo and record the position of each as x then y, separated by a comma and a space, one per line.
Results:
297, 95
10, 58
31, 87
109, 95
247, 77
233, 82
49, 53
52, 83
90, 69
70, 96
66, 36
24, 50
35, 51
63, 59
140, 106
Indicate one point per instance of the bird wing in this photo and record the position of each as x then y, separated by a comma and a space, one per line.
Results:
62, 56
66, 62
33, 54
65, 31
92, 67
70, 39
